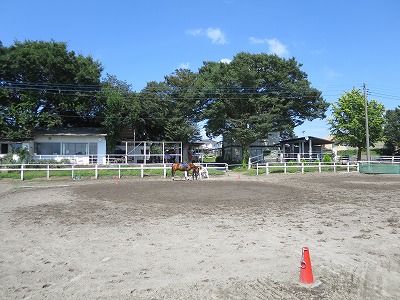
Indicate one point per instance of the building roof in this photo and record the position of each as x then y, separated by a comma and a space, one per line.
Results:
78, 131
314, 140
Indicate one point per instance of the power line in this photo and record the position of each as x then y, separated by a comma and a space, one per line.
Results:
195, 93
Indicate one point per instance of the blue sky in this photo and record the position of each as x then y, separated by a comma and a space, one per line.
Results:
341, 44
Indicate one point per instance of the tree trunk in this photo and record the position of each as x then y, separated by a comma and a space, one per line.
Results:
246, 155
359, 154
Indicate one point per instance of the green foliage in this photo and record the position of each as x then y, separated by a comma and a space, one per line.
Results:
327, 158
349, 152
256, 94
183, 106
244, 100
347, 124
36, 72
8, 158
391, 131
209, 159
122, 110
22, 154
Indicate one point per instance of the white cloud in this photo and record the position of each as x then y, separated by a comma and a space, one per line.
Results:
330, 73
185, 65
225, 60
254, 40
194, 31
274, 46
215, 34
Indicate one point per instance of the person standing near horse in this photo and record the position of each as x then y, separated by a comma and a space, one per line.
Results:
167, 157
190, 157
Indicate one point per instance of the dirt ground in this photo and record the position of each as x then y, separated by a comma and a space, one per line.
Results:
227, 237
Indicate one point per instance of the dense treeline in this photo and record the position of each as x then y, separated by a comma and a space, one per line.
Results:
45, 85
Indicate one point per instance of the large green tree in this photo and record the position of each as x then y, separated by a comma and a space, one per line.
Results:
347, 124
184, 106
45, 85
256, 94
391, 130
171, 108
121, 108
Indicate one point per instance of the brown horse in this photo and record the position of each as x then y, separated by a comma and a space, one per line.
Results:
186, 168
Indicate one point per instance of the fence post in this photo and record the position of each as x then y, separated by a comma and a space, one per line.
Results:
257, 168
284, 167
319, 167
72, 172
22, 171
165, 171
119, 171
334, 167
348, 167
266, 168
141, 171
48, 171
302, 168
96, 172
249, 167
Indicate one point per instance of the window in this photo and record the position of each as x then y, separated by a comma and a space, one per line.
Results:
79, 148
67, 148
93, 148
75, 148
47, 148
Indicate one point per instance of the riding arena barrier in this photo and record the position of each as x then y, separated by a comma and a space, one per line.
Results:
77, 170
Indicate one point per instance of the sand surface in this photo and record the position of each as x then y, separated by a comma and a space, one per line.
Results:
227, 237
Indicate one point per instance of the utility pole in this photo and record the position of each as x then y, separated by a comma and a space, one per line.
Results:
366, 123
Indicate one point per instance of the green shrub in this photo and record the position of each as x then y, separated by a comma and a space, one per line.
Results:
327, 158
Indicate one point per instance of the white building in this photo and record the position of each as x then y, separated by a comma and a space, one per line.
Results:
79, 145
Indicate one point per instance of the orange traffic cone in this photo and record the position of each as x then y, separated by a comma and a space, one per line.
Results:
306, 275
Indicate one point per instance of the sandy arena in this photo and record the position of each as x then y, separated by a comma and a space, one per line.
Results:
227, 237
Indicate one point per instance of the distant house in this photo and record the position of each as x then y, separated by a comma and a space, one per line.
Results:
209, 145
275, 149
308, 148
79, 145
233, 152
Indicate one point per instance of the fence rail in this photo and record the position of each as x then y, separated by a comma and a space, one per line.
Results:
303, 167
96, 168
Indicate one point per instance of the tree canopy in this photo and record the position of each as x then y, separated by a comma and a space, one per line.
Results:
256, 94
391, 130
44, 85
347, 124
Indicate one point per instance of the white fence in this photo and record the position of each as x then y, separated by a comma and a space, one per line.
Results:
288, 157
77, 169
314, 157
303, 167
